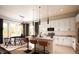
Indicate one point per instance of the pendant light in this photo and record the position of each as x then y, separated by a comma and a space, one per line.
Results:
39, 16
48, 20
33, 16
33, 23
47, 15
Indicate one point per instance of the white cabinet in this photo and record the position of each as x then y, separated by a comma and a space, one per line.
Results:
66, 24
66, 41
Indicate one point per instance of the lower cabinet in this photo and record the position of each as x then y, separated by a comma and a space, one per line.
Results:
67, 41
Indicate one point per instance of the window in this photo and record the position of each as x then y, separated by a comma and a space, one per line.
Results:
12, 29
31, 31
5, 29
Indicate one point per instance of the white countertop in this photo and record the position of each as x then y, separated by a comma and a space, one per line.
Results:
47, 38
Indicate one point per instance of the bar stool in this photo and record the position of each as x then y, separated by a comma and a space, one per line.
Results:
34, 41
27, 41
44, 44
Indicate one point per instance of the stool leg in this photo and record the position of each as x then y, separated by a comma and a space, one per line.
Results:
28, 45
28, 50
35, 48
35, 51
44, 49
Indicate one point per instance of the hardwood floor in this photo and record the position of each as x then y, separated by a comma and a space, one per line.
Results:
57, 49
60, 49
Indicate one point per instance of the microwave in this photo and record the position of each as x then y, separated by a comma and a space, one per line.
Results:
50, 29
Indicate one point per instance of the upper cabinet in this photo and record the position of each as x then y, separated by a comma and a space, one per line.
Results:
65, 26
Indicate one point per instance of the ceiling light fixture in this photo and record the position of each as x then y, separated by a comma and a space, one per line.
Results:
47, 15
61, 9
21, 16
33, 16
39, 16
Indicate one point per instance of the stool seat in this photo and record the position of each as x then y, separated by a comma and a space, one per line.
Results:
44, 44
34, 41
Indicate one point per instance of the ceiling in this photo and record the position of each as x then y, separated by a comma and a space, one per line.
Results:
30, 13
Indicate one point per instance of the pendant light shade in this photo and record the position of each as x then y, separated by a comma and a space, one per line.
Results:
33, 23
33, 16
39, 21
47, 15
48, 20
39, 16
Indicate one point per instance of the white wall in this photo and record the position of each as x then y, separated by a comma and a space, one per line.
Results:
61, 25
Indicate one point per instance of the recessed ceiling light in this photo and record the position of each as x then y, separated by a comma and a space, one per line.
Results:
61, 9
21, 16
